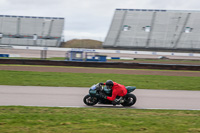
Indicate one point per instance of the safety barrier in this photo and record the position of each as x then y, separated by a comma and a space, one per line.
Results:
4, 55
110, 51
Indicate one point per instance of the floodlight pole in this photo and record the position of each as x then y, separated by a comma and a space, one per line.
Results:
50, 28
1, 36
182, 30
151, 30
120, 30
18, 26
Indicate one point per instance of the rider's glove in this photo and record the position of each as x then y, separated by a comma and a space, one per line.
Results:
101, 83
103, 96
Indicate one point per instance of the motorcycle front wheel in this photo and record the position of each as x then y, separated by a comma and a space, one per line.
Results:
90, 101
130, 99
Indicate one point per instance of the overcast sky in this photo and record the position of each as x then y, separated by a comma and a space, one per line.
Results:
87, 18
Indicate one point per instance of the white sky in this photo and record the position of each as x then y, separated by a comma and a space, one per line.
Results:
87, 18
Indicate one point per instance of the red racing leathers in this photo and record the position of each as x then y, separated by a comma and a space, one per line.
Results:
117, 90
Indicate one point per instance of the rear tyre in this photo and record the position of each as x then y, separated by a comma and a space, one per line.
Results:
90, 101
129, 100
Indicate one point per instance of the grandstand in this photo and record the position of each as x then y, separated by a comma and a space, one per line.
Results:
149, 29
31, 30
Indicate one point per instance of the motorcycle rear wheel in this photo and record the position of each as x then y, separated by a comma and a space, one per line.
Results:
90, 101
130, 99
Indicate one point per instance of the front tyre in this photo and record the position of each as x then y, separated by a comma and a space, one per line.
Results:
129, 100
90, 101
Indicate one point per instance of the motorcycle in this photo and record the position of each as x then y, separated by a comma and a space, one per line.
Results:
96, 90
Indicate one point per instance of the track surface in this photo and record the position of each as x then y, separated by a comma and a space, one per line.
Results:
73, 97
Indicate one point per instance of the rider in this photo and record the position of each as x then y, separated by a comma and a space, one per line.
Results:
117, 90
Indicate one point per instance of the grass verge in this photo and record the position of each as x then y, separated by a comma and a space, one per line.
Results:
95, 120
28, 78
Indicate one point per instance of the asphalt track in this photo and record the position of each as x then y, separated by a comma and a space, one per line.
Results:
73, 97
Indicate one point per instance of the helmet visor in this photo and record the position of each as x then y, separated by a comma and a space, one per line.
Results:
108, 86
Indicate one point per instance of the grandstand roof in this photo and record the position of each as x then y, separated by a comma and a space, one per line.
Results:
14, 16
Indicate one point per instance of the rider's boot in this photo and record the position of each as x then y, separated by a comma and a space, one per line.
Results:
114, 102
118, 100
121, 100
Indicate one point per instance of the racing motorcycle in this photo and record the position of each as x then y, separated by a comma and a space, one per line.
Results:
96, 90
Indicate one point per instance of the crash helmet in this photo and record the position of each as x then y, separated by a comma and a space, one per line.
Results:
109, 84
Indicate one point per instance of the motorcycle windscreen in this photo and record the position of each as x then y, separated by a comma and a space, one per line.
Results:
92, 92
93, 87
107, 91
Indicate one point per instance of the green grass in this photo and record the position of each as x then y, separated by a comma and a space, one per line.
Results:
28, 78
14, 119
97, 68
96, 120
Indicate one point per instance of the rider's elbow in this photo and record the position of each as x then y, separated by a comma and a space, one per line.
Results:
111, 98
